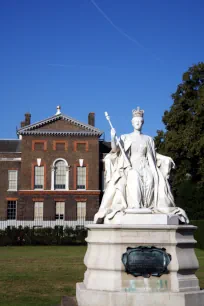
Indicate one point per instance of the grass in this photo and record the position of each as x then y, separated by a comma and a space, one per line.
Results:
40, 276
200, 272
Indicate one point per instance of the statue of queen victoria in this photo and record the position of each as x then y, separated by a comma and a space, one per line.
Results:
136, 176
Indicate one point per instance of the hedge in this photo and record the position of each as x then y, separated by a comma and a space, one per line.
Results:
199, 233
65, 236
43, 236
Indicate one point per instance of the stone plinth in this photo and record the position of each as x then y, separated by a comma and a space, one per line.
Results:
107, 283
132, 217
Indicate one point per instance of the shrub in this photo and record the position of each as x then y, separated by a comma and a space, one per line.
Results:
199, 233
43, 236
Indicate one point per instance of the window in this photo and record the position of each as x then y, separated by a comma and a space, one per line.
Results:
38, 211
81, 147
12, 179
39, 177
39, 145
11, 210
60, 174
60, 145
59, 211
81, 210
81, 177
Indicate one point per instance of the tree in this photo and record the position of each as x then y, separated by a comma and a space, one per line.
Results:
183, 140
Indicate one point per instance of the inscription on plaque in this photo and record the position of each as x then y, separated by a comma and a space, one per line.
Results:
146, 261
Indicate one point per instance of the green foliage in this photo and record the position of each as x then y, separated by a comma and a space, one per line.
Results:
199, 233
43, 236
183, 140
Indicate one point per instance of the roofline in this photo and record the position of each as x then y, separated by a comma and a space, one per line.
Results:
3, 152
56, 117
17, 139
63, 133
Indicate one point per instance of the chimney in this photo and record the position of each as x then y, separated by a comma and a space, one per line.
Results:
27, 118
22, 124
91, 119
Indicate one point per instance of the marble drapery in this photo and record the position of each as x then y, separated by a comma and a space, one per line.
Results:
138, 181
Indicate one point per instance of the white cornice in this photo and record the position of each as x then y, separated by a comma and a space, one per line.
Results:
61, 133
18, 159
10, 152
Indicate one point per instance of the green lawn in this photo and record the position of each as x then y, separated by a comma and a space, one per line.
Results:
40, 276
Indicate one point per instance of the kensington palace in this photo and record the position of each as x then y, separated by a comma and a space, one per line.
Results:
52, 171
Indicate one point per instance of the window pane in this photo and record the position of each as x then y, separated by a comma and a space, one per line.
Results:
81, 177
60, 146
81, 147
81, 210
38, 211
39, 177
39, 146
12, 179
11, 210
59, 210
60, 175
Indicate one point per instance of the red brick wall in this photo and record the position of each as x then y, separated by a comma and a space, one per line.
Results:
91, 158
61, 125
4, 193
25, 208
25, 202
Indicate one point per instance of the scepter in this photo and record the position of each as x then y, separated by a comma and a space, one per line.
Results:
118, 141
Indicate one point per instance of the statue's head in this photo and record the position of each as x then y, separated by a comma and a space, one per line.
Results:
137, 118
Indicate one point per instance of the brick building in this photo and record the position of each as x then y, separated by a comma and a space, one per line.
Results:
53, 171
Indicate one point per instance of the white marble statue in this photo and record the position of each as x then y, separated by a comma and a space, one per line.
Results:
136, 175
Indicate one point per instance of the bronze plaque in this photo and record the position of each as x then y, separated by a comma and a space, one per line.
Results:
146, 261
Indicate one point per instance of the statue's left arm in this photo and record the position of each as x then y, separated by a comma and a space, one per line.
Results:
167, 159
165, 164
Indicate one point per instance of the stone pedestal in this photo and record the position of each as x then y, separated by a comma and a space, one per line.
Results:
107, 284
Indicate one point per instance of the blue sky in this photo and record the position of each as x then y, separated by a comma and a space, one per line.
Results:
95, 56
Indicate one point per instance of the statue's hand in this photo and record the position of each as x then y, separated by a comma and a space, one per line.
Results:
172, 163
113, 133
165, 164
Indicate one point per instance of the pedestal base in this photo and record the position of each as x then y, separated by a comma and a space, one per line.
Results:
105, 298
130, 216
107, 284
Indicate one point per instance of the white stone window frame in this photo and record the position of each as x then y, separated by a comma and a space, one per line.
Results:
42, 167
13, 189
81, 210
59, 210
53, 175
78, 179
16, 202
37, 209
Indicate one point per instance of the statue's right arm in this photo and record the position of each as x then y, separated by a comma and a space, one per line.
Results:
114, 146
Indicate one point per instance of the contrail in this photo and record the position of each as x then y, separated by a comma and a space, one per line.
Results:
119, 29
62, 65
79, 66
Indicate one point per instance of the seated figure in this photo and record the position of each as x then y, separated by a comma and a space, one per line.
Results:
137, 176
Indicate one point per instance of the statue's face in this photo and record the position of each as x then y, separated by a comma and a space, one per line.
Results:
137, 123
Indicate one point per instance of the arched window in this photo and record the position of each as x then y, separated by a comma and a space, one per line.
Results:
60, 175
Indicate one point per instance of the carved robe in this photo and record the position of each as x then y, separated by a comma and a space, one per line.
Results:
137, 182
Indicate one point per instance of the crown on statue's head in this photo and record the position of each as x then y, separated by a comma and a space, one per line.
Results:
137, 112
